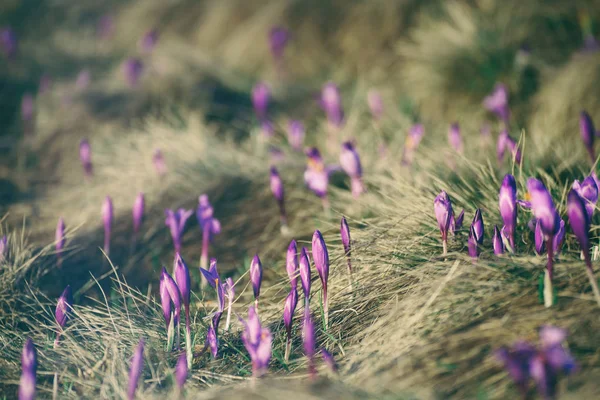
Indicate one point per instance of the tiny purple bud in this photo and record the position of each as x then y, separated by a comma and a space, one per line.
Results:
85, 155
148, 41
543, 207
331, 102
3, 247
28, 371
329, 360
291, 263
456, 224
455, 138
559, 238
507, 203
579, 220
175, 220
443, 213
132, 71
27, 107
165, 300
540, 245
478, 228
107, 220
321, 260
256, 273
138, 212
278, 39
497, 242
64, 307
350, 162
289, 308
159, 162
345, 234
60, 236
375, 104
135, 371
261, 95
472, 243
588, 191
296, 135
305, 277
181, 371
497, 102
276, 185
516, 360
588, 133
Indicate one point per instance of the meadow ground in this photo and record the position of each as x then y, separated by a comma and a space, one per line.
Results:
409, 323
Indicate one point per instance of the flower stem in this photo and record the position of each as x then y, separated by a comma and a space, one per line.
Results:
288, 348
188, 337
548, 293
590, 273
444, 247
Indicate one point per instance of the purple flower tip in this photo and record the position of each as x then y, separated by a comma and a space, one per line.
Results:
455, 138
60, 235
64, 307
345, 234
331, 102
329, 360
443, 212
85, 155
135, 371
497, 242
291, 264
579, 220
182, 278
149, 41
278, 39
543, 207
28, 371
276, 184
321, 258
256, 273
261, 95
181, 370
305, 275
288, 310
138, 212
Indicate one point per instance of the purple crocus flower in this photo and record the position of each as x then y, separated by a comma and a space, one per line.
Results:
291, 263
175, 220
173, 294
85, 155
472, 243
209, 224
261, 94
350, 162
27, 107
257, 341
497, 242
278, 39
8, 42
3, 247
588, 133
540, 245
478, 227
105, 27
309, 343
497, 103
507, 203
375, 104
212, 341
331, 102
181, 371
413, 139
457, 223
580, 223
516, 360
83, 79
455, 138
329, 360
316, 176
443, 213
165, 302
28, 371
305, 275
321, 260
132, 71
296, 135
346, 242
159, 162
229, 291
107, 220
544, 211
211, 275
289, 308
278, 192
64, 306
148, 41
182, 278
135, 371
256, 273
138, 212
60, 240
588, 191
559, 238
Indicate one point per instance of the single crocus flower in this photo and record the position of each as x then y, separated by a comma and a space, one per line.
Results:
497, 242
229, 291
472, 243
107, 220
455, 138
309, 343
291, 263
331, 102
168, 285
8, 42
132, 71
159, 162
507, 203
321, 260
289, 308
545, 212
559, 238
138, 212
478, 227
443, 213
148, 41
580, 223
305, 275
213, 279
278, 193
212, 274
497, 103
209, 224
257, 341
588, 133
182, 278
350, 162
3, 247
181, 371
588, 191
296, 135
63, 309
278, 39
85, 155
175, 220
261, 94
316, 176
346, 242
413, 139
60, 239
517, 360
28, 371
212, 341
27, 108
329, 360
375, 104
256, 273
135, 371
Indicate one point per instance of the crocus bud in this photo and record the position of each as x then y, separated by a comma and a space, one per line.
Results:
588, 191
165, 300
507, 203
107, 220
28, 371
60, 236
3, 247
27, 107
296, 135
331, 102
276, 185
321, 260
309, 343
8, 42
588, 133
497, 102
540, 245
457, 223
212, 275
497, 242
455, 138
148, 41
375, 104
138, 212
85, 155
345, 234
159, 162
181, 371
478, 228
135, 371
212, 341
182, 279
132, 71
350, 162
258, 341
543, 207
175, 220
260, 100
472, 243
443, 213
256, 273
64, 307
278, 39
210, 226
174, 293
288, 310
305, 277
516, 360
559, 238
329, 360
316, 175
578, 219
291, 264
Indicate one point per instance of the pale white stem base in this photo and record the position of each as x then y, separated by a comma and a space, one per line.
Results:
188, 347
594, 284
548, 300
